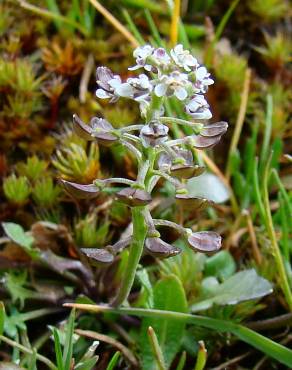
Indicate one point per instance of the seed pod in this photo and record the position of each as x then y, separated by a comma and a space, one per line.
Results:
82, 129
202, 142
154, 134
119, 245
98, 255
184, 168
80, 191
214, 129
205, 241
184, 171
134, 197
158, 248
192, 203
102, 131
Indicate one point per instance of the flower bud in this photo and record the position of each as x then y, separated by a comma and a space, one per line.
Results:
154, 134
134, 197
80, 191
158, 248
205, 241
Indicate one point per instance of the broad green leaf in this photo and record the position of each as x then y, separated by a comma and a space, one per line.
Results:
221, 265
242, 286
16, 233
208, 186
168, 295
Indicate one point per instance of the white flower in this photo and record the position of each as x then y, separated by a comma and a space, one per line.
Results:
141, 54
160, 57
174, 84
198, 107
183, 58
203, 79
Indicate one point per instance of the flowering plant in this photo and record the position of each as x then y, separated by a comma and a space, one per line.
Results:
176, 74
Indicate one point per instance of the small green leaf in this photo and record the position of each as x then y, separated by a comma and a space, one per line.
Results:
242, 286
202, 357
16, 233
168, 295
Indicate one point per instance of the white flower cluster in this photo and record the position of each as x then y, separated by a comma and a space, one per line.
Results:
175, 74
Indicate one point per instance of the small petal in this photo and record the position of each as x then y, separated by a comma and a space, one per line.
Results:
160, 90
180, 93
100, 93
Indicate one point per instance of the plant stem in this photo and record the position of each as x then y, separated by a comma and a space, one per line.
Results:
136, 249
284, 282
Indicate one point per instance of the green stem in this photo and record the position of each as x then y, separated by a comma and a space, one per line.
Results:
197, 126
136, 249
284, 282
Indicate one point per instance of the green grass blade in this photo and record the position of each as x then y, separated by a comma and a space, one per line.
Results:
267, 133
68, 348
154, 30
58, 350
132, 27
114, 360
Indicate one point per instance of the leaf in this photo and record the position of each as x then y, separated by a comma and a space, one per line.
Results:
113, 361
220, 265
208, 186
2, 317
87, 364
168, 295
68, 348
16, 233
58, 349
242, 286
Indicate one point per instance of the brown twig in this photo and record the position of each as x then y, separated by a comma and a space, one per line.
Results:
117, 24
239, 120
105, 338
